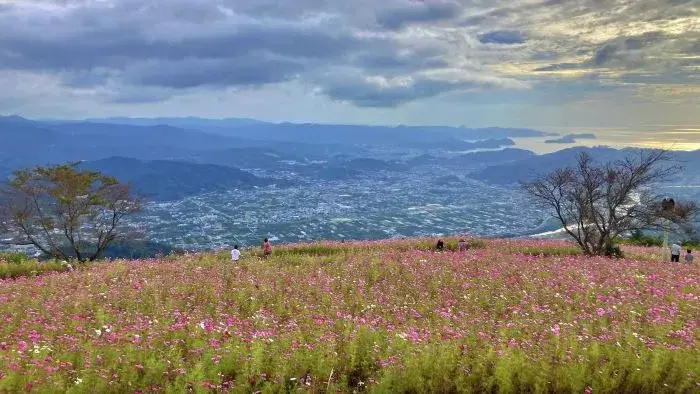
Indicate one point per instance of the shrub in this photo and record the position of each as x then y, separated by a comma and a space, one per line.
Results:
638, 238
13, 257
29, 268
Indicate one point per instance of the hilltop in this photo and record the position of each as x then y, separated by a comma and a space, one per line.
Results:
385, 316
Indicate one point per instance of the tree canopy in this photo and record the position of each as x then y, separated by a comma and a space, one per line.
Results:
598, 202
66, 212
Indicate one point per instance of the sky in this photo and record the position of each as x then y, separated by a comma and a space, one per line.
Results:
623, 69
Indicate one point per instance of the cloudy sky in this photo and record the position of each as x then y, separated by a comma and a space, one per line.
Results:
625, 66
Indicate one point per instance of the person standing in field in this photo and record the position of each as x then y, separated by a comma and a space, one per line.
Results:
267, 248
235, 254
689, 256
463, 246
675, 253
440, 245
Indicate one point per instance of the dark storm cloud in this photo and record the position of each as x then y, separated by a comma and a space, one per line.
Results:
605, 54
367, 94
396, 18
183, 45
251, 70
121, 46
620, 49
642, 53
395, 51
394, 61
502, 37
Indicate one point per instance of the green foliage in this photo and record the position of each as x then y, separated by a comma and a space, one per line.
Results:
13, 257
14, 270
638, 238
136, 249
614, 251
65, 212
691, 244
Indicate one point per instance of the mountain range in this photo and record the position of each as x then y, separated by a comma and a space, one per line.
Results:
212, 182
171, 158
527, 168
173, 180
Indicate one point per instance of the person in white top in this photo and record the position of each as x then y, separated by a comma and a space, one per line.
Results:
675, 253
235, 253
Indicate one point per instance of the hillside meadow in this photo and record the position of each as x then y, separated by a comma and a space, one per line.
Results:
388, 316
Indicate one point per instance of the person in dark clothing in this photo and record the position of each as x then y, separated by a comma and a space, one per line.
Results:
440, 245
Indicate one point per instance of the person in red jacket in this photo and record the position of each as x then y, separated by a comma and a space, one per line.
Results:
267, 248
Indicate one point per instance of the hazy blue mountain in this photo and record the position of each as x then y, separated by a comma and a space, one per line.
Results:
405, 136
26, 143
488, 158
172, 180
474, 159
526, 169
186, 122
113, 135
13, 119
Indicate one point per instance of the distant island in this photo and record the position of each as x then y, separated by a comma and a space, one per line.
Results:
571, 138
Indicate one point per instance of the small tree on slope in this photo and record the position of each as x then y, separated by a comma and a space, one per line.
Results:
597, 203
64, 212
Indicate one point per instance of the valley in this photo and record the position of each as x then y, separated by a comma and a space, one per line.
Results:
413, 203
210, 184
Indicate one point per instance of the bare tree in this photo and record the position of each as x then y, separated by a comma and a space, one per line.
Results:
596, 203
64, 212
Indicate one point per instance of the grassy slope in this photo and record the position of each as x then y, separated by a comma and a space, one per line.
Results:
382, 316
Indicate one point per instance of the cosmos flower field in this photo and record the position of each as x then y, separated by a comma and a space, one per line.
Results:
388, 316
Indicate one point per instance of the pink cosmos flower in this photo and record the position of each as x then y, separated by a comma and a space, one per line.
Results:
22, 346
34, 336
555, 330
